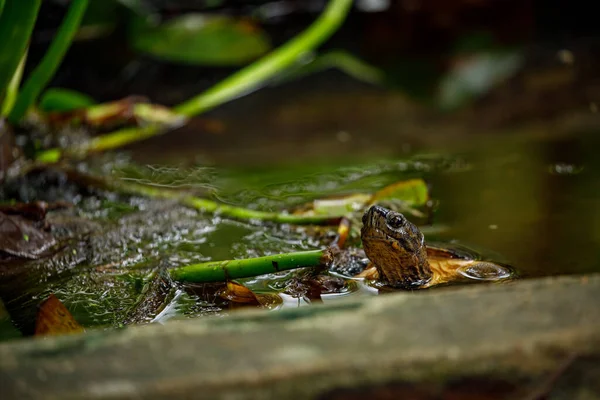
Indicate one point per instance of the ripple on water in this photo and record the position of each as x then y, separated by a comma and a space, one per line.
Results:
485, 271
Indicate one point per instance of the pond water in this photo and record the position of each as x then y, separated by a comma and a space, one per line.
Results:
527, 200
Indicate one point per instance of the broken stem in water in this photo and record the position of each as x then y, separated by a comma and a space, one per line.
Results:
201, 204
221, 271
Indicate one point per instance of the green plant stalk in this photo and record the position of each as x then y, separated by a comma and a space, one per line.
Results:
10, 96
250, 77
226, 210
220, 271
238, 84
248, 214
1, 6
198, 203
16, 24
45, 70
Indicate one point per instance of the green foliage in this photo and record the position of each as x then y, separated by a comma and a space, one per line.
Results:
250, 77
200, 40
60, 100
44, 71
240, 83
16, 24
11, 91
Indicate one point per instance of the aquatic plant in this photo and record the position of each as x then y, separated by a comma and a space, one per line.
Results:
17, 19
242, 82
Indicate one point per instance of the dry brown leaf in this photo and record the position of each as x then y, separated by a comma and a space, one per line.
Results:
54, 319
237, 293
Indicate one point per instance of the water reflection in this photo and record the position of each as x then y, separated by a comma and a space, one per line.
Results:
485, 271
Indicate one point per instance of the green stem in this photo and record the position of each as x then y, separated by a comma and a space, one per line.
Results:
44, 71
198, 203
219, 271
13, 88
250, 77
226, 210
238, 84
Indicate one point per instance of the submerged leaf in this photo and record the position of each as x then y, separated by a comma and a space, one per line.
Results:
240, 296
22, 237
54, 319
237, 293
201, 40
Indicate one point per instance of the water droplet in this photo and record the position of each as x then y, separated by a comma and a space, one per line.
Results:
484, 271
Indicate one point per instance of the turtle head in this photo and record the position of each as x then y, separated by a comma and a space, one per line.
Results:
395, 246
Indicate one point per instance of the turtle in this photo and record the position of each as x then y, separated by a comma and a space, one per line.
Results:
400, 258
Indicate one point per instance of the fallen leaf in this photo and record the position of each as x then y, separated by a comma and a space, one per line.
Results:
23, 237
237, 293
54, 319
240, 296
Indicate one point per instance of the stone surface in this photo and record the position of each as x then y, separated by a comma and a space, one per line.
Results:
525, 339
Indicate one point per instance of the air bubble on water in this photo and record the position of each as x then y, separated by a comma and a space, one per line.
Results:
485, 271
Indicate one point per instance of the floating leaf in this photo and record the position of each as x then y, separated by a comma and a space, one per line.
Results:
340, 205
412, 193
54, 319
201, 40
61, 100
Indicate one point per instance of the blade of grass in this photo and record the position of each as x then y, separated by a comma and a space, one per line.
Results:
16, 24
238, 84
45, 70
10, 96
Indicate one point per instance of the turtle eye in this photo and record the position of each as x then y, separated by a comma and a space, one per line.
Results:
395, 221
